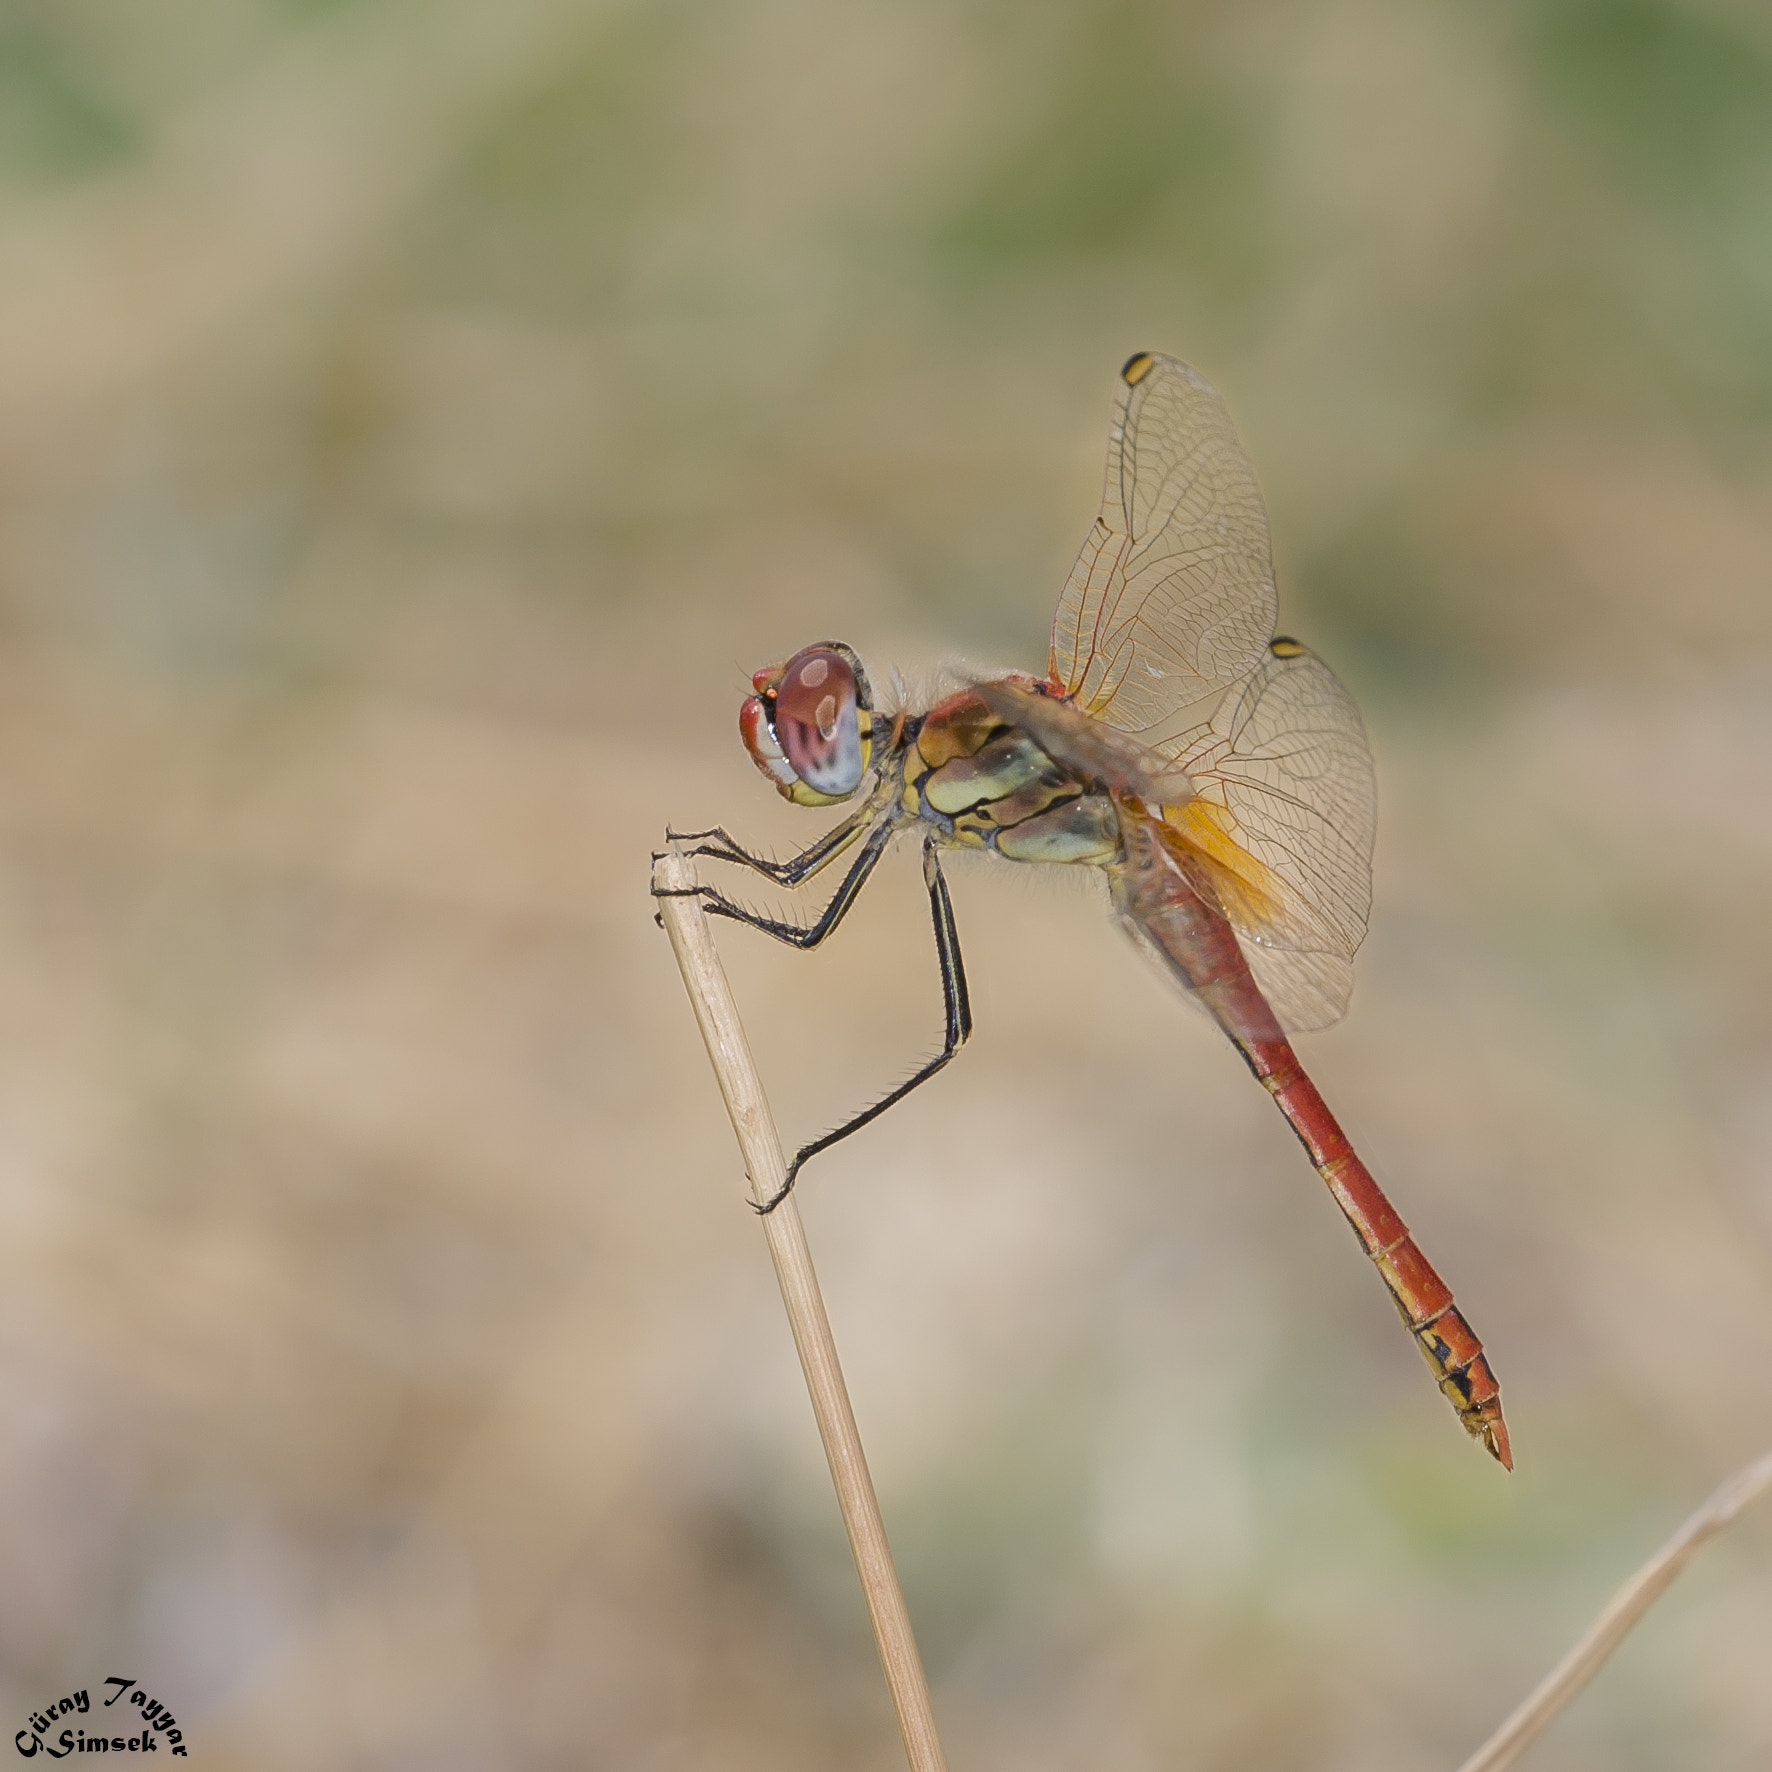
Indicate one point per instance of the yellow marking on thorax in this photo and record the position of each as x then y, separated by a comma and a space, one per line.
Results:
993, 774
960, 731
972, 832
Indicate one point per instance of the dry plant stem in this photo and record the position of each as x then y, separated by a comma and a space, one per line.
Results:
705, 979
1616, 1622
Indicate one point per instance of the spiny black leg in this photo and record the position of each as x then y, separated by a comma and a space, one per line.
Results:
955, 1002
717, 845
797, 935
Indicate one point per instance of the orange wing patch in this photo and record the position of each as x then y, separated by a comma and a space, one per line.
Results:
1249, 892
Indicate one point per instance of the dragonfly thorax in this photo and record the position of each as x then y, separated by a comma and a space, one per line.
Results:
984, 781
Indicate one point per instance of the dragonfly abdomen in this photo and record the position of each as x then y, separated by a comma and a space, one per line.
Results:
1170, 913
1423, 1300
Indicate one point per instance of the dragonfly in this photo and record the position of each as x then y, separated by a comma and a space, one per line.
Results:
1218, 775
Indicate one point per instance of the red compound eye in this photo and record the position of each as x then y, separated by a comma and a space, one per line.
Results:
818, 706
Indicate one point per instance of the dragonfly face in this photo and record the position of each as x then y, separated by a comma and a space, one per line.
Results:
1237, 851
810, 726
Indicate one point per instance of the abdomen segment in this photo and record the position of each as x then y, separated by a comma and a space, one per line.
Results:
1423, 1300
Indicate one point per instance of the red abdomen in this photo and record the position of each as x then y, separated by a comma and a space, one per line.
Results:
1169, 912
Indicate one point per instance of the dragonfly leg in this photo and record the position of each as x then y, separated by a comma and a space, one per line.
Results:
718, 845
957, 1007
799, 935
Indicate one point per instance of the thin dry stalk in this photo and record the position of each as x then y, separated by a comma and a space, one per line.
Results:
1615, 1623
717, 1014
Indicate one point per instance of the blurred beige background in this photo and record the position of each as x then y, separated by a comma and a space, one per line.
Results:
415, 421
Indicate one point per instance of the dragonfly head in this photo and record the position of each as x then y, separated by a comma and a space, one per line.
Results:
810, 726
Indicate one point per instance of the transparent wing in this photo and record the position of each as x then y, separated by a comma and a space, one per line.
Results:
1284, 818
1172, 598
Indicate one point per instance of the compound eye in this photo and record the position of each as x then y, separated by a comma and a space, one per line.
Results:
818, 721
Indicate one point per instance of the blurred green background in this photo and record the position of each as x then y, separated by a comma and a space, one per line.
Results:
415, 422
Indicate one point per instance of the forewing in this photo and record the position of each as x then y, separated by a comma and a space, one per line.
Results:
1283, 775
1172, 598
